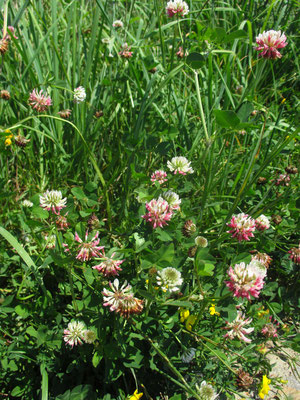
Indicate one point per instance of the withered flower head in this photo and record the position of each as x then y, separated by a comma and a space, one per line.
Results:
21, 141
188, 228
98, 114
5, 95
244, 380
3, 45
65, 113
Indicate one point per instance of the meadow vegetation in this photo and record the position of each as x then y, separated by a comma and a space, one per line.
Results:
149, 208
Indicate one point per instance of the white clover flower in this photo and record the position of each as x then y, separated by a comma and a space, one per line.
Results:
177, 7
201, 241
206, 391
173, 199
118, 24
27, 203
74, 334
262, 222
180, 165
169, 279
89, 336
79, 94
52, 201
50, 241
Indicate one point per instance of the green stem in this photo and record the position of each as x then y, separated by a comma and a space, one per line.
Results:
72, 289
200, 106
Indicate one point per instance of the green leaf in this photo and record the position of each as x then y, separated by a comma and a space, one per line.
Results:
22, 311
32, 332
81, 392
89, 276
239, 34
78, 193
226, 118
166, 253
195, 60
97, 357
215, 35
163, 235
205, 269
39, 212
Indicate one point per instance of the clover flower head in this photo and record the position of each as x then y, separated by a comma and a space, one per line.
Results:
88, 249
180, 165
130, 305
180, 53
27, 203
159, 176
50, 241
237, 328
188, 228
4, 94
201, 241
262, 222
74, 334
269, 330
89, 336
169, 279
263, 258
118, 24
242, 227
283, 180
39, 101
125, 52
52, 200
188, 355
173, 200
65, 114
269, 42
79, 94
246, 280
12, 30
109, 266
295, 254
62, 222
177, 7
206, 391
121, 299
113, 298
159, 212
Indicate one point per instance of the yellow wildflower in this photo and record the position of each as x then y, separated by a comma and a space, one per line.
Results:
264, 388
184, 314
136, 395
7, 131
212, 310
262, 312
8, 141
190, 322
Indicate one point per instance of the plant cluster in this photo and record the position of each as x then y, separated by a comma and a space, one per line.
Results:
148, 180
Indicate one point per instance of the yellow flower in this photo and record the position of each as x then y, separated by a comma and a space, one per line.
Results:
8, 141
262, 312
212, 310
190, 322
264, 388
136, 395
184, 314
7, 131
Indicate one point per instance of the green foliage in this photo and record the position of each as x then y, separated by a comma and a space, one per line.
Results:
230, 113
